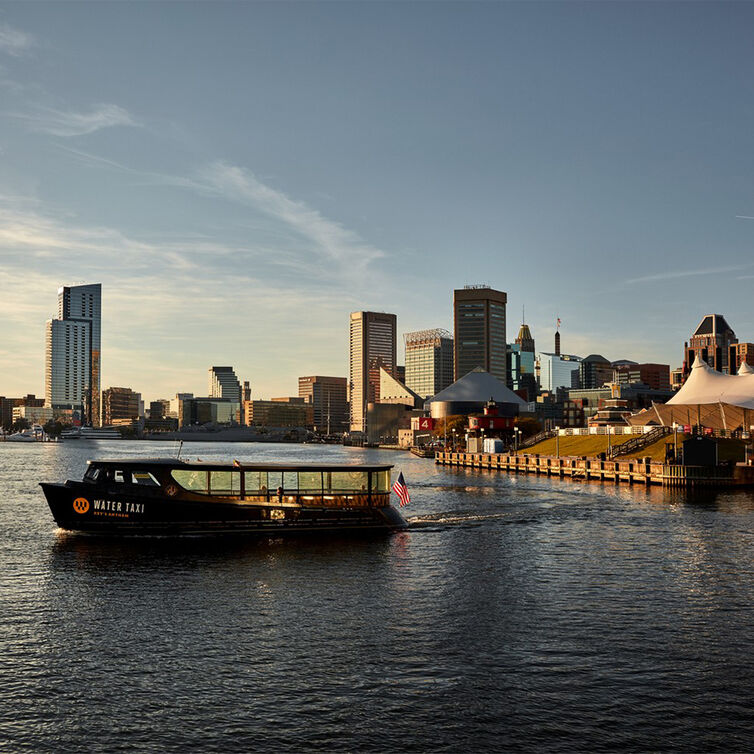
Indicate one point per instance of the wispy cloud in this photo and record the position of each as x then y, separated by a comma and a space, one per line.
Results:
13, 41
328, 239
675, 274
744, 217
70, 123
298, 237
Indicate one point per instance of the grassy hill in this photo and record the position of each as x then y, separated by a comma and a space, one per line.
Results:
592, 445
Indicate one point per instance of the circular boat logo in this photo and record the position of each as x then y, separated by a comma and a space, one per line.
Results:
171, 490
81, 505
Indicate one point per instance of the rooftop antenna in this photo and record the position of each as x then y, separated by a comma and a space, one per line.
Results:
523, 314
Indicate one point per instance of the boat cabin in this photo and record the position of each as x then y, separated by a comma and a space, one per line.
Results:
278, 484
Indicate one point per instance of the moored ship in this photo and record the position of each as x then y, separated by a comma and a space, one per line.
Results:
170, 497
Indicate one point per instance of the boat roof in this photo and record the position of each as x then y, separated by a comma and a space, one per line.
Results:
176, 463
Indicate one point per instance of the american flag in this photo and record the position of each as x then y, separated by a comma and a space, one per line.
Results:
400, 489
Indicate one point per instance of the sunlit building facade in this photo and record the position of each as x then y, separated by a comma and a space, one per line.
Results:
429, 361
372, 345
557, 370
328, 397
73, 353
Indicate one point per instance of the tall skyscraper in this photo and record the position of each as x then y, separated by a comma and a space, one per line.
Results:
522, 364
72, 353
429, 361
372, 346
479, 330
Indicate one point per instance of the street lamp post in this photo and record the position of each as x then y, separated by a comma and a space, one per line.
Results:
557, 441
675, 443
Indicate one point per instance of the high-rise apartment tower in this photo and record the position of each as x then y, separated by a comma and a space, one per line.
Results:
479, 330
372, 345
72, 352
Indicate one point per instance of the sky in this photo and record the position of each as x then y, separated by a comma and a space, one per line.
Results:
241, 176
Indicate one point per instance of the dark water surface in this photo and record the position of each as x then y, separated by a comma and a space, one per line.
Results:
517, 613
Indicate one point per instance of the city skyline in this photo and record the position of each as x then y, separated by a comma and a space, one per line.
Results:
580, 157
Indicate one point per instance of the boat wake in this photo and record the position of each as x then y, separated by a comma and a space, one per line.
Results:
453, 518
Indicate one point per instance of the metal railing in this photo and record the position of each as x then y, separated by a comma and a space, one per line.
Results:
639, 442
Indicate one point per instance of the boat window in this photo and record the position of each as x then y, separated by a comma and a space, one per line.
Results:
347, 481
381, 481
225, 482
92, 473
256, 482
144, 478
310, 482
275, 479
290, 481
194, 481
120, 476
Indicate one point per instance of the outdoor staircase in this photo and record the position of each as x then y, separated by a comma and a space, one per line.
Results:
639, 442
537, 438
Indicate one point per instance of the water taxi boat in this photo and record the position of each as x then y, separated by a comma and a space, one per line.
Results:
170, 496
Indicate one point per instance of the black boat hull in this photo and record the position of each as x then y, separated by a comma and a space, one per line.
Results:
81, 507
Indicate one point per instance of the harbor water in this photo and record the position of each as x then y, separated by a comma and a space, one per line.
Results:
516, 613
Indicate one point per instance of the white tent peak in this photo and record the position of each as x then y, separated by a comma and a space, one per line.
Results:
745, 368
699, 362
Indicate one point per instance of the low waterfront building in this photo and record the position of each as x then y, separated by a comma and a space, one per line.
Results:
32, 414
554, 409
393, 390
8, 404
119, 403
176, 405
741, 353
159, 409
209, 410
636, 395
594, 371
328, 397
278, 413
470, 395
656, 376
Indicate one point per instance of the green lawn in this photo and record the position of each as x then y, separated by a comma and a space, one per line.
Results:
592, 445
576, 445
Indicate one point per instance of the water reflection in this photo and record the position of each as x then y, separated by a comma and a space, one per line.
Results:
516, 612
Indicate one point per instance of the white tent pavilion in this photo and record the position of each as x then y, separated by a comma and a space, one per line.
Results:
708, 398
